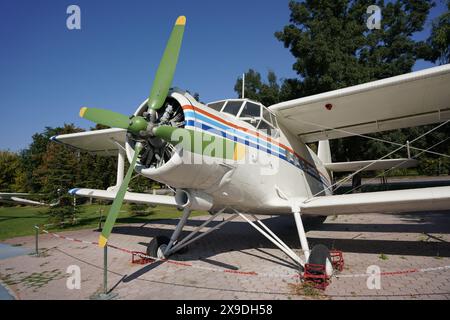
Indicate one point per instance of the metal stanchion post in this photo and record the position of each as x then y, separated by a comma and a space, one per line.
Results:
100, 221
105, 270
105, 295
37, 240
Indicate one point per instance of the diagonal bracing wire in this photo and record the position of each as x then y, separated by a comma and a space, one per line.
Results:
340, 182
386, 171
371, 138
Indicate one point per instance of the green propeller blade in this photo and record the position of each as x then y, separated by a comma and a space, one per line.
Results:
117, 204
201, 142
113, 119
105, 117
166, 68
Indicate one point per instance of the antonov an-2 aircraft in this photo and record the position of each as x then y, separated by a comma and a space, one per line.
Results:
236, 157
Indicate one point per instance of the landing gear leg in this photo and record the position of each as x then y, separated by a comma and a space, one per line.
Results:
160, 246
301, 233
266, 232
318, 256
179, 228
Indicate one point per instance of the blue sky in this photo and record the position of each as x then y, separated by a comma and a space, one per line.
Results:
48, 72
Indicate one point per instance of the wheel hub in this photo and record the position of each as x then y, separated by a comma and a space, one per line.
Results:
160, 253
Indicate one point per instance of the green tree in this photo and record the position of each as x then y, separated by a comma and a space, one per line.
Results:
267, 92
32, 158
256, 89
439, 39
9, 167
335, 49
59, 167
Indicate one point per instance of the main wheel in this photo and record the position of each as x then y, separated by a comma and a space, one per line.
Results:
157, 246
321, 255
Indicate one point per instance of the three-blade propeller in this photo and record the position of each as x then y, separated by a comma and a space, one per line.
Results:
136, 124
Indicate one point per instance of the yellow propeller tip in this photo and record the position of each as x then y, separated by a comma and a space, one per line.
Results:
83, 111
181, 21
102, 241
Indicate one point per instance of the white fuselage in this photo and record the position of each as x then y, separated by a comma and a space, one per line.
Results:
269, 171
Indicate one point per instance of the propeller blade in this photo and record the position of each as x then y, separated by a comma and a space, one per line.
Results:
117, 204
201, 142
113, 119
105, 117
166, 68
167, 133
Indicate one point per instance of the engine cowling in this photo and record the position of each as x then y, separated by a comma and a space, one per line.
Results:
169, 164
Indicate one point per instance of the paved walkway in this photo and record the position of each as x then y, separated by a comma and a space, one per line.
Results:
225, 260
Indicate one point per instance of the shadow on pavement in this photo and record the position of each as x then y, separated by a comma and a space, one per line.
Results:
245, 237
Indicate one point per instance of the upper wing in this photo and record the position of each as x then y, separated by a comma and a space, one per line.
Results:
101, 142
409, 100
129, 196
398, 201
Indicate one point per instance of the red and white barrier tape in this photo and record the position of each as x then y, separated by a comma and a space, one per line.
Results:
393, 273
247, 273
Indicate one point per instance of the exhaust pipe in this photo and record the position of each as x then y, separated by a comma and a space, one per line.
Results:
194, 200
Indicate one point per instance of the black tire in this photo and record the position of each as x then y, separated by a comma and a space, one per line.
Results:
319, 255
155, 244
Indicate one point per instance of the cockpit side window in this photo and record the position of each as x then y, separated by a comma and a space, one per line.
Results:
232, 107
274, 120
268, 123
266, 128
266, 116
216, 105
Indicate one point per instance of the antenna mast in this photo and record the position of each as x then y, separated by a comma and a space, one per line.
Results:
243, 86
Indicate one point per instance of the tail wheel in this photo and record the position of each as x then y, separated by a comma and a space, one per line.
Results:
320, 255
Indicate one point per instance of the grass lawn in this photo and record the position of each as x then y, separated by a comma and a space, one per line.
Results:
20, 221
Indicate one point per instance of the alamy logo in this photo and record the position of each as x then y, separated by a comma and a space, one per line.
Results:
374, 20
374, 278
74, 280
73, 21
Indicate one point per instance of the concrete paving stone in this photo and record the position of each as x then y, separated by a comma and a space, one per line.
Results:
364, 239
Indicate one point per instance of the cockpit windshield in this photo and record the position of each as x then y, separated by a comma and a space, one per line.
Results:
232, 107
251, 112
217, 105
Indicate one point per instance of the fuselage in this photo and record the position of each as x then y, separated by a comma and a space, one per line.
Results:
267, 167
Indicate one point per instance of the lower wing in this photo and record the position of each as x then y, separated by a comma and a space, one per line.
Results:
398, 201
129, 196
19, 198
